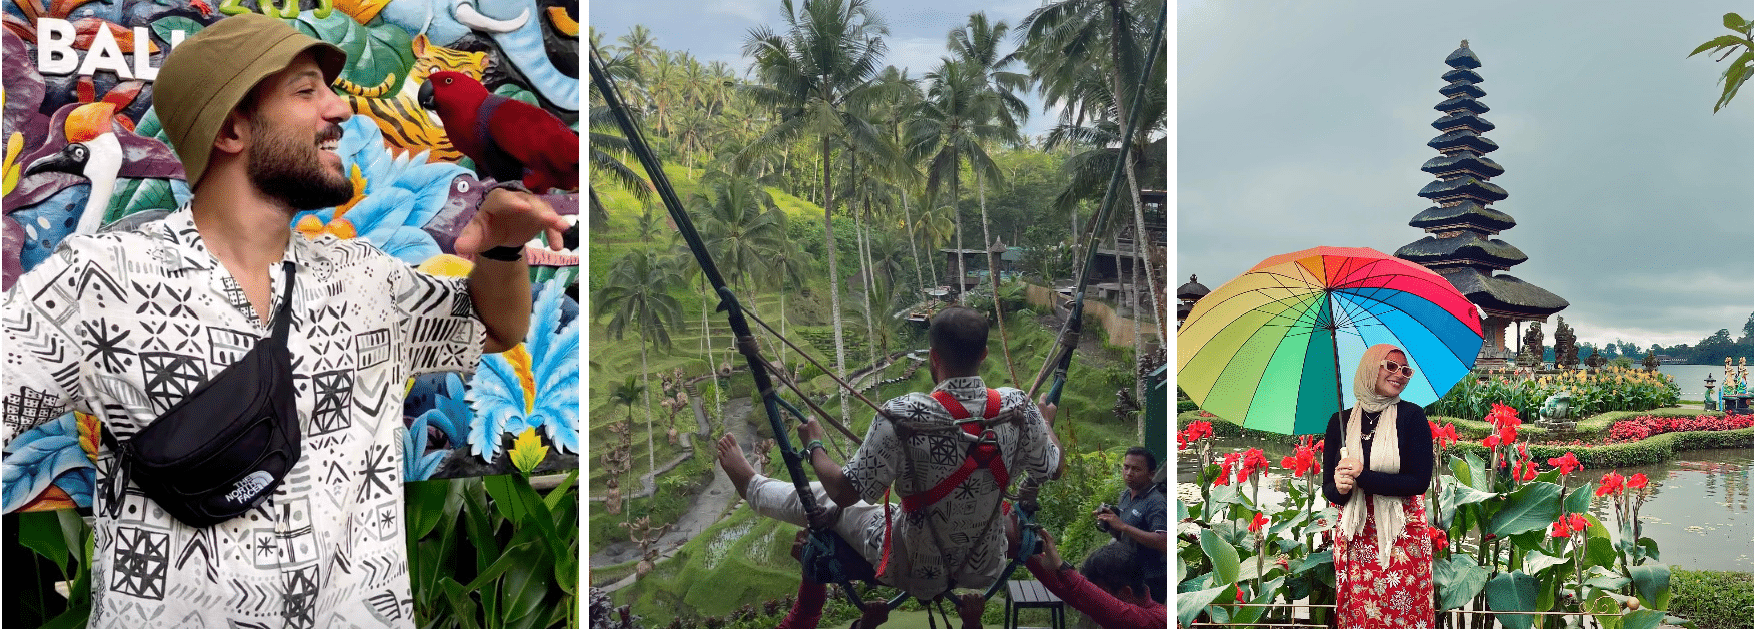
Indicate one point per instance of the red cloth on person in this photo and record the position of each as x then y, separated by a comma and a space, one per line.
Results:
807, 611
1396, 596
1097, 603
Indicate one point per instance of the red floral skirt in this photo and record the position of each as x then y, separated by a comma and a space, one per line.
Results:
1396, 596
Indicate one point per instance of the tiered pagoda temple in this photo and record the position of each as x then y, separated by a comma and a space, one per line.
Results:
1459, 244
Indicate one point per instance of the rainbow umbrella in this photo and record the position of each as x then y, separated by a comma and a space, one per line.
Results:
1269, 349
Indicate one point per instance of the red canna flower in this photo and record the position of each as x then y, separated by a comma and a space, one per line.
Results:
1300, 462
1439, 537
1492, 441
1567, 463
1225, 469
1611, 484
1253, 461
1256, 525
1638, 480
1560, 530
1577, 522
1528, 473
1445, 435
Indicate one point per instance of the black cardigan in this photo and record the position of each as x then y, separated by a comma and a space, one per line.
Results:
1415, 435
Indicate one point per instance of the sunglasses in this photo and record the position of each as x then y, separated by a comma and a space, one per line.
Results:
1393, 367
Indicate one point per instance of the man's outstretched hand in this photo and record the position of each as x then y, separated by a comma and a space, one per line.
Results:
509, 218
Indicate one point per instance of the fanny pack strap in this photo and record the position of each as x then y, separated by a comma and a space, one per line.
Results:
283, 315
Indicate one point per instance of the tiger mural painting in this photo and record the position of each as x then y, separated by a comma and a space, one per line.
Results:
407, 128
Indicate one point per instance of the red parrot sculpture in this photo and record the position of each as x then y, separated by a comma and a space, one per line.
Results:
508, 139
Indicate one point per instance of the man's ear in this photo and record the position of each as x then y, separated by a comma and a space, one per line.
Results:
234, 134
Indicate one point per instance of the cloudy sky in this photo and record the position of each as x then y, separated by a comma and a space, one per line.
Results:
714, 30
1304, 124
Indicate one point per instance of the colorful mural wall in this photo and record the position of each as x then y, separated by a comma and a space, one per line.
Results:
83, 153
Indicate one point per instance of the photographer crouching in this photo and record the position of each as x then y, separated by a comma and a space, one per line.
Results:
1137, 519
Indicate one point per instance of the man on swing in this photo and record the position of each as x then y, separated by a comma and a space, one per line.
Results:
948, 467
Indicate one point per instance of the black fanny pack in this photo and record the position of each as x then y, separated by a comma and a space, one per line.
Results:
224, 448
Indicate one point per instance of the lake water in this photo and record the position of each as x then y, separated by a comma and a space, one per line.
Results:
1692, 378
1699, 510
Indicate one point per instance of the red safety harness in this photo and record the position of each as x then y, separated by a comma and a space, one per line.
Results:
984, 453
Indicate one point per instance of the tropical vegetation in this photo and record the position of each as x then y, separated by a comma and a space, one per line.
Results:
826, 183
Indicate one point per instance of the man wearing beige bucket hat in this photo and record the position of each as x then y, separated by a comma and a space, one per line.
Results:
125, 325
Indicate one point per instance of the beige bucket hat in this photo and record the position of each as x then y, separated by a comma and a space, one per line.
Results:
206, 76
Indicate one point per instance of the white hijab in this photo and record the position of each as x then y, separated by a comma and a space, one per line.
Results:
1385, 454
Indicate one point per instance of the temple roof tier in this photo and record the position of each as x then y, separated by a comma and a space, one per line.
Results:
1462, 74
1478, 165
1463, 139
1194, 290
1465, 187
1504, 294
1468, 214
1451, 105
1464, 250
1463, 58
1462, 88
1464, 120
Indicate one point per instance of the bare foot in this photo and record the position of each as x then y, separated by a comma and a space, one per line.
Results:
736, 467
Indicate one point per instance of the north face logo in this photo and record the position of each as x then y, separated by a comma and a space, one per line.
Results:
249, 486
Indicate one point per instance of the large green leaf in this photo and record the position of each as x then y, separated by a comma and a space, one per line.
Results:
1248, 614
559, 491
1477, 471
1458, 579
1189, 605
1578, 499
1642, 618
1535, 562
1513, 591
1648, 549
1314, 560
1653, 582
425, 504
1223, 555
524, 586
372, 53
1533, 506
462, 606
1605, 578
41, 532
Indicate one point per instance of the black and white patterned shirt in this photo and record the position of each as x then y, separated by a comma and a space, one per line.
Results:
123, 325
969, 546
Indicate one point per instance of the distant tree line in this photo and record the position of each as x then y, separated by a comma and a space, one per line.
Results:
1709, 351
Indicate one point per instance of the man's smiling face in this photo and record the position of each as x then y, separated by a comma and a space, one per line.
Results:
294, 129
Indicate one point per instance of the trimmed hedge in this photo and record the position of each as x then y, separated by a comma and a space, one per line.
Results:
1594, 427
1713, 599
1647, 451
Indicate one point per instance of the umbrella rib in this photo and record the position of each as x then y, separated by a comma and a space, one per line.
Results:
1391, 331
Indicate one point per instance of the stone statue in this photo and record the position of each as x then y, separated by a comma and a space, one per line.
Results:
1595, 361
1743, 375
1730, 377
1532, 342
1650, 362
1526, 360
1565, 346
1557, 407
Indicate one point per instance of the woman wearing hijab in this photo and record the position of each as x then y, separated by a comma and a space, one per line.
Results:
1377, 462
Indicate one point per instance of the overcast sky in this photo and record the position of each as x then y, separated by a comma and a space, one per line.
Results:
1305, 123
714, 30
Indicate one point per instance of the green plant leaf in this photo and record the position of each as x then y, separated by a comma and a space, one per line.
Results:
1535, 562
1578, 499
1458, 580
1530, 507
425, 504
462, 606
1248, 615
1735, 22
1716, 43
1223, 555
1512, 591
1649, 547
1653, 582
1642, 618
1189, 605
524, 586
1314, 560
1605, 578
41, 532
554, 496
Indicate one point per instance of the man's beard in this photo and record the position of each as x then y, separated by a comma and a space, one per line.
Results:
284, 167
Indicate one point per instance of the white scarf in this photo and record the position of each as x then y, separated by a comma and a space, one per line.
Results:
1386, 455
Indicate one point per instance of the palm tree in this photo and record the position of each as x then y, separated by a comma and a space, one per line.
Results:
636, 294
740, 224
1072, 29
639, 45
950, 125
606, 137
812, 75
627, 394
